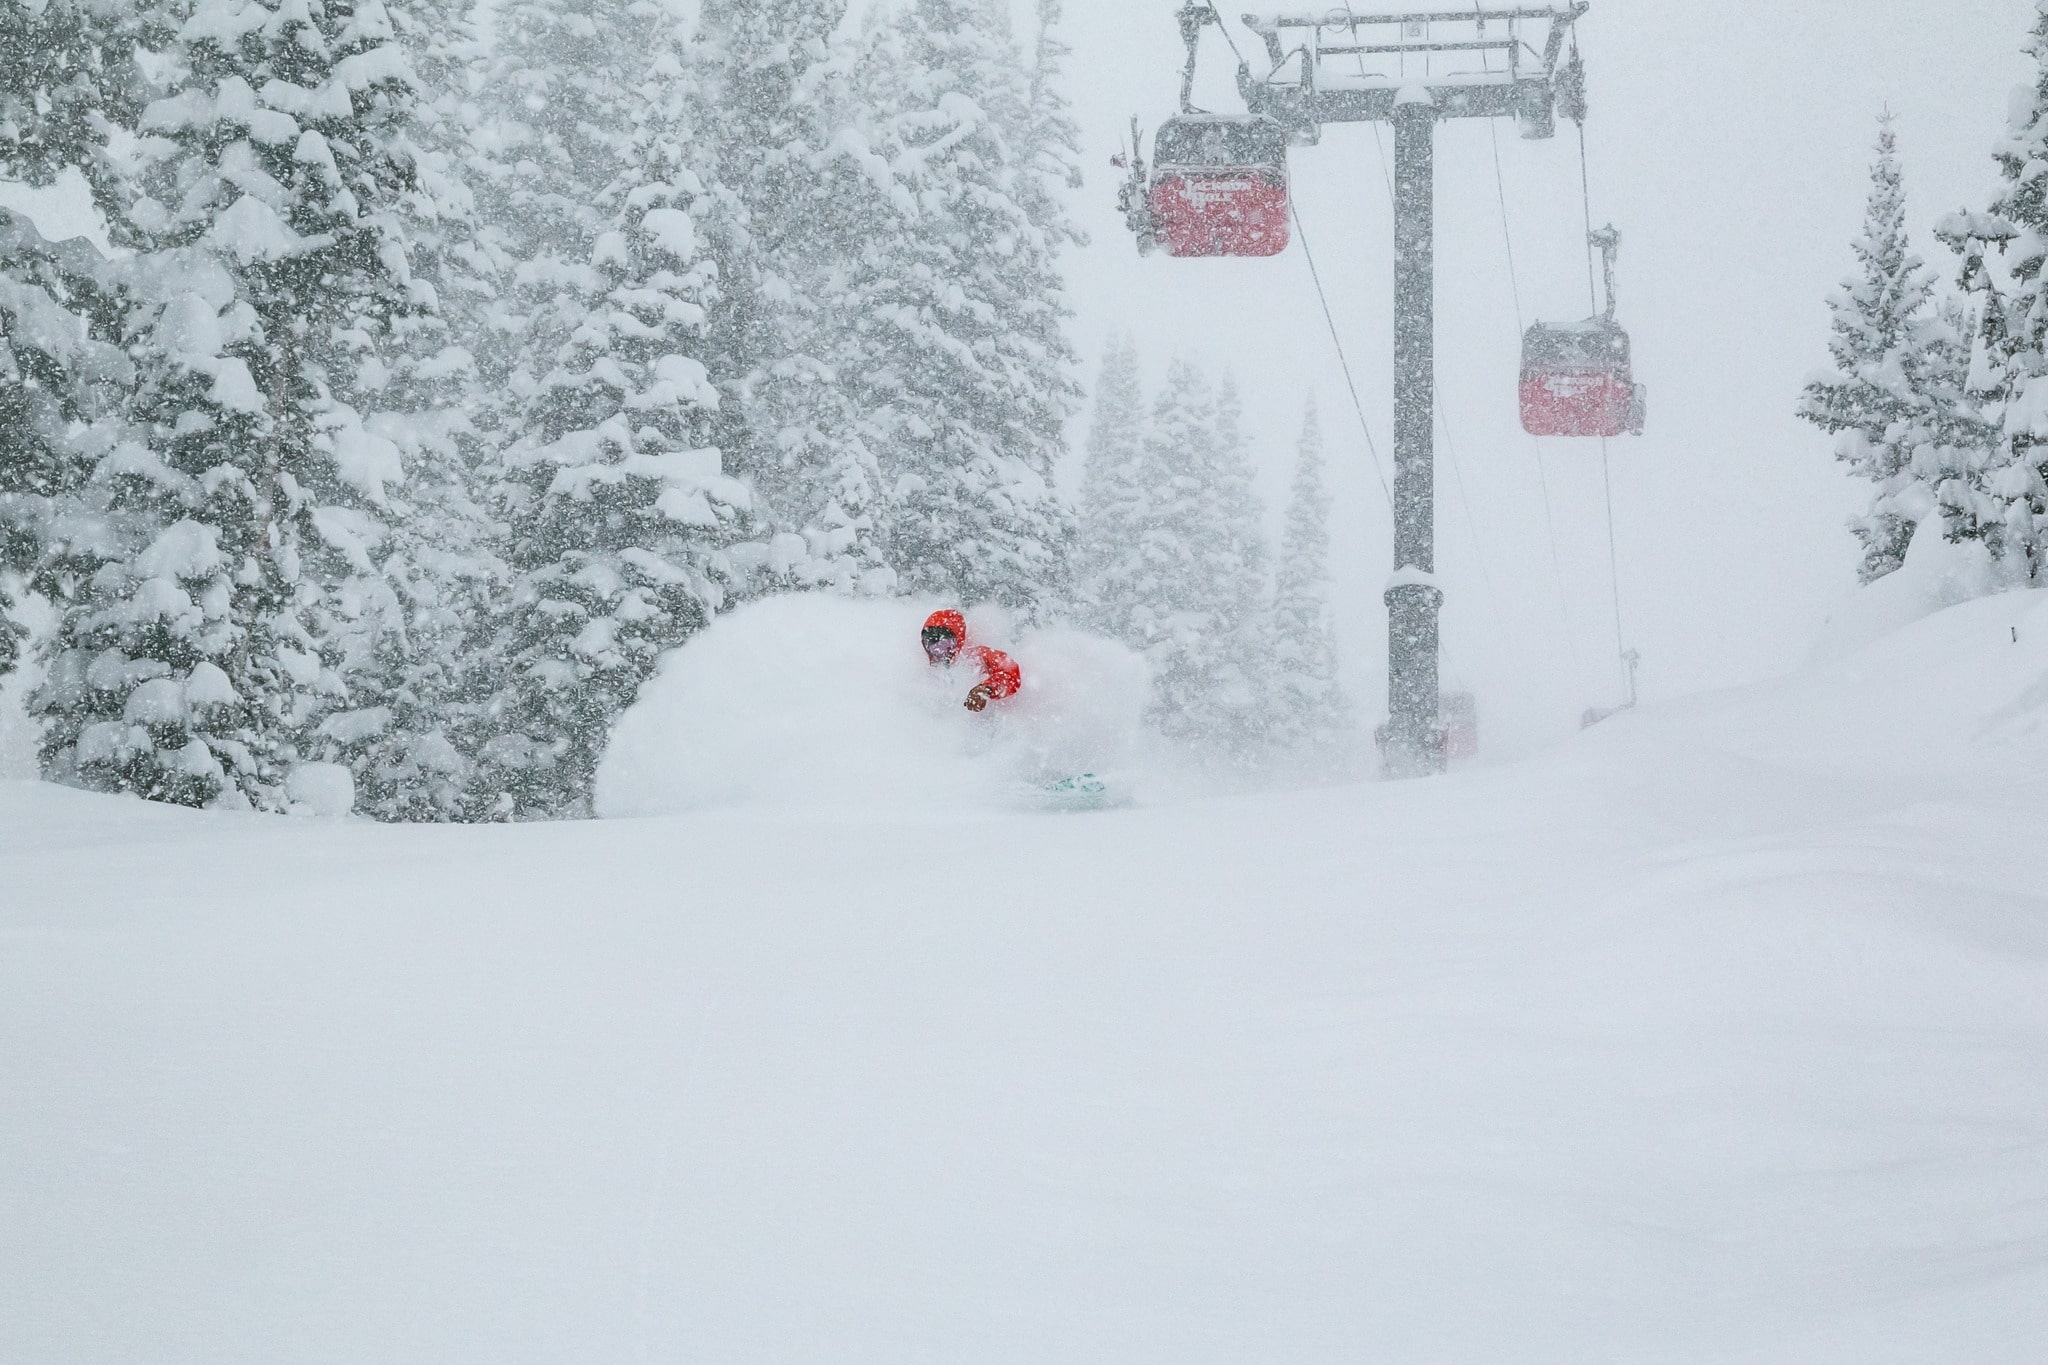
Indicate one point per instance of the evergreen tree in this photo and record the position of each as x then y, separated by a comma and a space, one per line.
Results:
61, 381
1052, 137
622, 526
403, 443
772, 106
275, 190
1235, 545
66, 80
1196, 571
1896, 386
1113, 494
1995, 488
68, 77
956, 347
49, 88
1307, 706
412, 727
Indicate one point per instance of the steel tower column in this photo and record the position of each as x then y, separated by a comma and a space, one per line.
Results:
1414, 746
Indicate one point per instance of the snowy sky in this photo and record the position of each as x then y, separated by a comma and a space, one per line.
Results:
1729, 143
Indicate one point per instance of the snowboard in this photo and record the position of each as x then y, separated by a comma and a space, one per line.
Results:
1081, 792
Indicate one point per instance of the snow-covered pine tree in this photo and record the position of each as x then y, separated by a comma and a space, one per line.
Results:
1113, 495
1995, 489
1236, 548
1898, 370
1197, 571
621, 522
957, 345
1052, 136
1308, 708
62, 378
273, 189
413, 721
771, 111
66, 78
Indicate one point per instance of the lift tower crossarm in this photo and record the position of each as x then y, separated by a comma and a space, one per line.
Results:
1526, 90
1338, 18
1268, 26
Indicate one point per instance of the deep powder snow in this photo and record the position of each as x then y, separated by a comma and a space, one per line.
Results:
1718, 1035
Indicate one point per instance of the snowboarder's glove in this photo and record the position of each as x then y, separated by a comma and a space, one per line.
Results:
979, 698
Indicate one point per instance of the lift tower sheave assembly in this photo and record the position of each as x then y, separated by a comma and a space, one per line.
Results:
1412, 70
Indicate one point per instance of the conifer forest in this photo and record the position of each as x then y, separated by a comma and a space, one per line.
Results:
452, 365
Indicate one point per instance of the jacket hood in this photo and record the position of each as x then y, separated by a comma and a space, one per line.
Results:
949, 620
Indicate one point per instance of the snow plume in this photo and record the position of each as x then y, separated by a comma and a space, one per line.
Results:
815, 700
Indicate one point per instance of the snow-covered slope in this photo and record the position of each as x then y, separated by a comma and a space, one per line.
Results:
1720, 1035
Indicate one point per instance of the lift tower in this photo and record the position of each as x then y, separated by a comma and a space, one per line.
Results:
1412, 70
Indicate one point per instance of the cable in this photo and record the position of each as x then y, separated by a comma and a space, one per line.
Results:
1507, 237
1443, 421
1386, 165
1357, 403
1224, 25
1355, 42
1606, 474
1500, 184
1586, 198
1613, 559
1330, 317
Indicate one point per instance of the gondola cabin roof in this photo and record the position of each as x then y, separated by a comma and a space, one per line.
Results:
1220, 142
1596, 346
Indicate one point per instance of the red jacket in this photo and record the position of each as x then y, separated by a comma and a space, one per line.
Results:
996, 668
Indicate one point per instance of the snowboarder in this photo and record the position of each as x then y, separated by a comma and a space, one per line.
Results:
945, 644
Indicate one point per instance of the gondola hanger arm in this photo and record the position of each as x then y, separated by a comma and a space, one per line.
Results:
1193, 19
1607, 241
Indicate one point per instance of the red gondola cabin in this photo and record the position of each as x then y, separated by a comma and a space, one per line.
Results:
1577, 380
1219, 187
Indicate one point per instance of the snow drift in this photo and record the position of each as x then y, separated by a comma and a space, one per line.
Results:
1937, 574
812, 700
1960, 695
